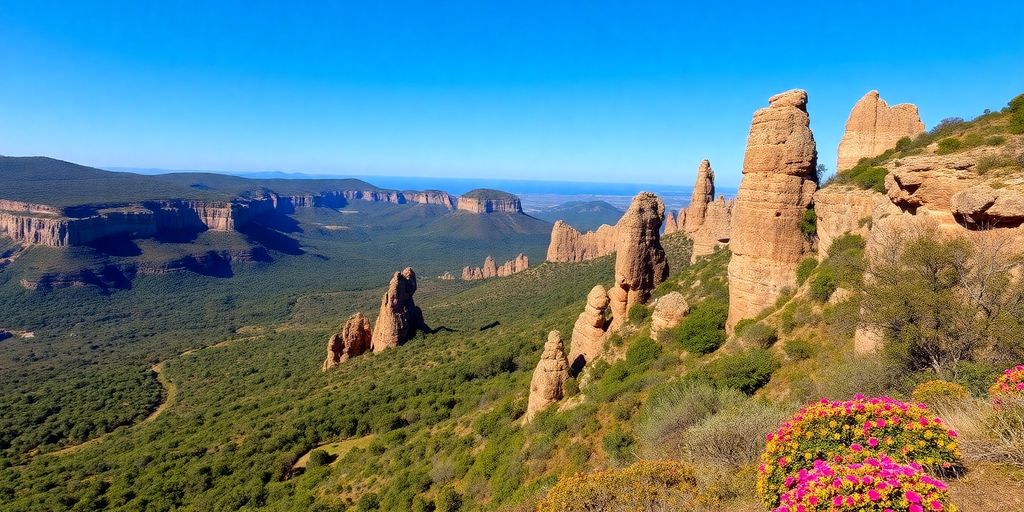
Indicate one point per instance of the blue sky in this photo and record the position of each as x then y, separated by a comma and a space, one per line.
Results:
578, 91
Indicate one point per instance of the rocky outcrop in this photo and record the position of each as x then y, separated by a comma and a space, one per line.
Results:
640, 262
512, 266
703, 194
489, 201
353, 340
706, 221
447, 276
779, 181
548, 383
588, 334
873, 127
399, 317
569, 245
672, 221
841, 210
669, 310
434, 197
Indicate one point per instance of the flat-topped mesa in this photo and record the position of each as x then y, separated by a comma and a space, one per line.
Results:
874, 127
703, 194
432, 197
548, 383
779, 181
483, 200
640, 262
588, 333
353, 340
569, 245
399, 317
518, 264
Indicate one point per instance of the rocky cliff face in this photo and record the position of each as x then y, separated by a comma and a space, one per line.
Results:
569, 245
672, 221
434, 197
779, 181
706, 221
353, 340
399, 317
640, 262
873, 127
548, 384
506, 203
588, 334
490, 269
841, 210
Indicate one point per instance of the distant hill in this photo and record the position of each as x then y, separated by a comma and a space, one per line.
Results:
582, 215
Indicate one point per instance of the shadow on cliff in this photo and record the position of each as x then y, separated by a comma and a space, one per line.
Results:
116, 246
271, 238
177, 236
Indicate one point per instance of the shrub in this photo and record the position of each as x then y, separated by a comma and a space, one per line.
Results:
995, 140
1009, 384
319, 458
638, 314
948, 145
877, 484
798, 349
645, 485
852, 431
938, 391
642, 351
618, 445
703, 330
746, 371
448, 500
864, 175
733, 438
758, 334
823, 285
809, 223
677, 406
904, 144
803, 271
1016, 110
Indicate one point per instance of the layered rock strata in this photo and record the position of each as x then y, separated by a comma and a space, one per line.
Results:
548, 384
353, 340
779, 181
399, 317
873, 127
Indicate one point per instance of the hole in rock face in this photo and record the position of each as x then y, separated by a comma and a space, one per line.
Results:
778, 214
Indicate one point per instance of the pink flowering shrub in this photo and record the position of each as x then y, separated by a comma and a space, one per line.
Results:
849, 432
877, 484
1009, 385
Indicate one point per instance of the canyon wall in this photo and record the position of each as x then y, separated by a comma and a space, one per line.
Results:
873, 127
480, 205
777, 189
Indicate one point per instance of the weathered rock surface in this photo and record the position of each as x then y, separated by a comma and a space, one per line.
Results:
569, 245
399, 317
515, 265
548, 383
353, 340
669, 310
779, 181
873, 127
640, 262
841, 210
703, 194
489, 201
588, 334
706, 221
672, 221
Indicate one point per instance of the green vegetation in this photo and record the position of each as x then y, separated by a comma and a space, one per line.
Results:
864, 175
803, 271
757, 334
809, 223
639, 313
949, 145
702, 331
746, 371
488, 194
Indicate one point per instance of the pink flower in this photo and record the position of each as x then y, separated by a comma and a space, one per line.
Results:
873, 495
936, 505
912, 496
872, 442
915, 508
856, 447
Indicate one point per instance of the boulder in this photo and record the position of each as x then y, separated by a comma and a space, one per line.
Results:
588, 334
778, 185
669, 310
548, 383
874, 127
353, 340
399, 317
640, 262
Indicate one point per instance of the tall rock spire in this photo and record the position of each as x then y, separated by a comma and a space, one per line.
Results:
779, 180
399, 317
703, 194
640, 262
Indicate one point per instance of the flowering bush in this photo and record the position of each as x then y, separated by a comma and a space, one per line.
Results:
645, 485
850, 432
1009, 385
877, 484
939, 391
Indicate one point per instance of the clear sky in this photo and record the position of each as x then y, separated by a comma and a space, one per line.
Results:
583, 90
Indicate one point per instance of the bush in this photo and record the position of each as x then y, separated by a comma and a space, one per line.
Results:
851, 432
937, 392
809, 223
703, 330
646, 485
995, 140
758, 335
1009, 385
448, 500
1016, 110
877, 485
638, 314
803, 271
823, 285
948, 145
319, 458
618, 445
798, 349
904, 144
733, 438
864, 175
746, 371
642, 351
674, 408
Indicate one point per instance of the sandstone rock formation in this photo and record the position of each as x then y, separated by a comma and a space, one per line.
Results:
352, 341
518, 264
841, 210
640, 262
588, 334
489, 201
669, 310
873, 127
569, 245
399, 317
779, 181
703, 194
672, 221
706, 221
548, 383
447, 276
